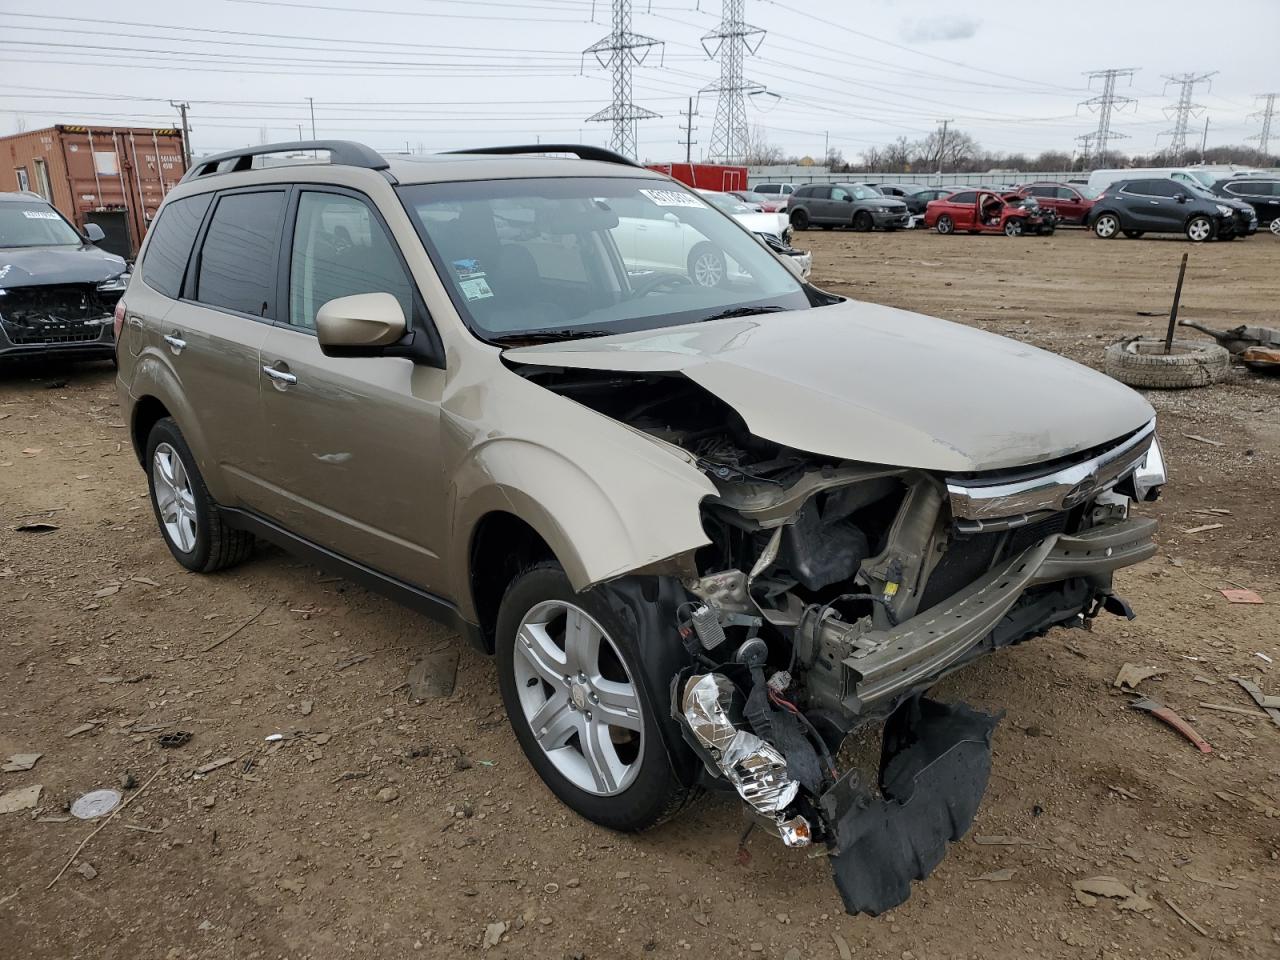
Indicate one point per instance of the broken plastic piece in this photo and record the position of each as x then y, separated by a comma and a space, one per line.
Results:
95, 804
1160, 711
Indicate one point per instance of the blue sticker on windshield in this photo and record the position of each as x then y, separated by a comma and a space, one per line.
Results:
468, 267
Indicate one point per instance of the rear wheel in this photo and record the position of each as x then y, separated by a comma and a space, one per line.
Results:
576, 693
1134, 234
192, 526
1107, 226
862, 222
1199, 229
799, 220
706, 266
945, 225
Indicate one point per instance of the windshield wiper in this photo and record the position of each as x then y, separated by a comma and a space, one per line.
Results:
529, 337
744, 312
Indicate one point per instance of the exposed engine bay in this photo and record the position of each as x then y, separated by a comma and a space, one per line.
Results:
833, 594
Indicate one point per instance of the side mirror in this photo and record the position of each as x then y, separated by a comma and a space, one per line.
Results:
93, 233
359, 325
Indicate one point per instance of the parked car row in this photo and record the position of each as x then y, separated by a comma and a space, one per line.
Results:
1201, 203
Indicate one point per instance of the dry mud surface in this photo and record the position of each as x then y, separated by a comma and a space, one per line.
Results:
305, 852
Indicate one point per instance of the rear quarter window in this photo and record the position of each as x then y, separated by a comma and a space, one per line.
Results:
169, 248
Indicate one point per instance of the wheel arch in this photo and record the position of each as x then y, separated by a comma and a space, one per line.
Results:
158, 394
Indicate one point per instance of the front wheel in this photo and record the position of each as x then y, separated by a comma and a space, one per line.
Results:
1275, 226
1107, 226
862, 222
945, 225
1013, 228
1199, 229
575, 690
706, 266
192, 526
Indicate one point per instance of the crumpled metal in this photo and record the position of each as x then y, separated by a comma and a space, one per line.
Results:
756, 769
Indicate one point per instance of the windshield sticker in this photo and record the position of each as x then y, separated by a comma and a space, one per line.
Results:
672, 198
475, 288
470, 267
40, 215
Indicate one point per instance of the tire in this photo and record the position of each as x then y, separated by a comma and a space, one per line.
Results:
642, 789
1107, 226
799, 219
1013, 227
706, 266
945, 225
862, 222
1143, 363
1134, 234
1275, 226
195, 531
1199, 229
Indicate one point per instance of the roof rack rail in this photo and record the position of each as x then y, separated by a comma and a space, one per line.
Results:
581, 151
345, 152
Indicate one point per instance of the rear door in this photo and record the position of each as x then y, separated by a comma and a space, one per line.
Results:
351, 445
818, 201
211, 336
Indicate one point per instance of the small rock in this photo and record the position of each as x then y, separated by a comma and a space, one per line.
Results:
306, 708
208, 802
572, 882
86, 870
493, 934
757, 946
128, 781
461, 763
205, 925
387, 794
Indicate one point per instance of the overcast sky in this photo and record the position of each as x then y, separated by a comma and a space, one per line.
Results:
435, 74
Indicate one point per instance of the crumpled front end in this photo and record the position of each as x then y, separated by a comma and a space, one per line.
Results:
73, 317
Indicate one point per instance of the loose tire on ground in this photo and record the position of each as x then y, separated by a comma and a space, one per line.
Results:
1143, 363
190, 522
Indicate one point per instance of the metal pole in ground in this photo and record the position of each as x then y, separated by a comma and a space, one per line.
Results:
1173, 312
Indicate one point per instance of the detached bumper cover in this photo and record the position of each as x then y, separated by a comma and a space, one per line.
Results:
916, 651
933, 773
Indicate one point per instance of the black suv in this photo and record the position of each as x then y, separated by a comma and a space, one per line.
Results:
58, 291
1261, 193
916, 196
857, 205
1135, 207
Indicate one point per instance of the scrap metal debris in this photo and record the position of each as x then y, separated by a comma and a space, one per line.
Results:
1163, 713
1261, 699
170, 741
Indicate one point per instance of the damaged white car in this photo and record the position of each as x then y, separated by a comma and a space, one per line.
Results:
708, 529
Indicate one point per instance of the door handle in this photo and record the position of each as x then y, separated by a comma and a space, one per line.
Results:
176, 343
280, 376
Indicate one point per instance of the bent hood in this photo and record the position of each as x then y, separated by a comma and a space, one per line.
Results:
40, 266
773, 223
860, 381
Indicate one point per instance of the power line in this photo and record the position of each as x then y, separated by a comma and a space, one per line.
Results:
1095, 144
626, 49
1184, 109
733, 38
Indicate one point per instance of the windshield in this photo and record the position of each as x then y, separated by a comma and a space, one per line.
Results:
1206, 177
1088, 192
863, 191
586, 256
34, 224
729, 204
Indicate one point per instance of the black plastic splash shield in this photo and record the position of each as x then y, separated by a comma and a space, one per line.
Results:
933, 773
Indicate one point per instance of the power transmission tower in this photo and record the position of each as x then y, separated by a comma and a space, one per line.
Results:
1095, 144
1266, 114
1183, 111
688, 141
620, 51
731, 40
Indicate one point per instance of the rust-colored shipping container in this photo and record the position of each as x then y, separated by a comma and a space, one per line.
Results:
112, 176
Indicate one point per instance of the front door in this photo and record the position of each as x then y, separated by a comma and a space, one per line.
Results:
350, 456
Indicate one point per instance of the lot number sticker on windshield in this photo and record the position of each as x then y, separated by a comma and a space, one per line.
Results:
40, 215
475, 288
672, 198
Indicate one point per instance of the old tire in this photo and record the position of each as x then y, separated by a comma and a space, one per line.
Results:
1143, 363
862, 222
799, 220
1199, 229
706, 266
190, 522
621, 777
945, 225
1107, 226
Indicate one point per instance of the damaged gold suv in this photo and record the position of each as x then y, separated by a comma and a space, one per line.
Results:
708, 518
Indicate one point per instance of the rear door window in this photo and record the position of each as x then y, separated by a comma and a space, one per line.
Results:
967, 196
238, 258
169, 248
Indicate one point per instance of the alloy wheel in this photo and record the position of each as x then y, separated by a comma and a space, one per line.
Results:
708, 270
1199, 229
1106, 226
578, 697
1013, 228
945, 225
1275, 226
174, 497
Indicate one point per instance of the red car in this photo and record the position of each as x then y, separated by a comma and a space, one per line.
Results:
1070, 202
985, 211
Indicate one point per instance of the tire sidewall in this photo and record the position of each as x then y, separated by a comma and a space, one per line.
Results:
863, 222
945, 225
800, 219
166, 431
647, 801
1115, 231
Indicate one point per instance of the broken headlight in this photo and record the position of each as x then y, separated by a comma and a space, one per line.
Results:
115, 284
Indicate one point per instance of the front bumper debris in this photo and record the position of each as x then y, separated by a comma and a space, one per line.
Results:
933, 772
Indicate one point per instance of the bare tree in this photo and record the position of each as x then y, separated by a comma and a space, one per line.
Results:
760, 152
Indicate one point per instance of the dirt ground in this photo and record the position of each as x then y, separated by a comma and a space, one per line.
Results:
306, 853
